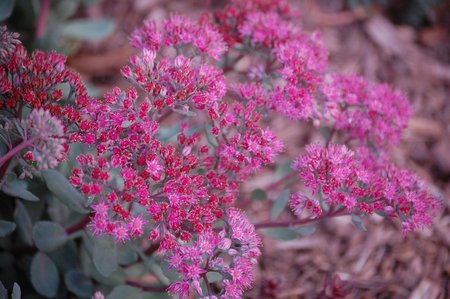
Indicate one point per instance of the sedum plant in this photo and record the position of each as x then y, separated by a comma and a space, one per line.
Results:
159, 166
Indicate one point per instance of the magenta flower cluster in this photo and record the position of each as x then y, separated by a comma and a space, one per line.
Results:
179, 190
35, 119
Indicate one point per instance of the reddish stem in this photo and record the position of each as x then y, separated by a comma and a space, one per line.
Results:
281, 181
332, 132
269, 224
41, 22
80, 225
146, 288
17, 149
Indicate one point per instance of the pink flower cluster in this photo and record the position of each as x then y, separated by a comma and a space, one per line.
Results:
371, 113
176, 191
231, 253
179, 31
179, 190
297, 59
362, 183
37, 138
231, 19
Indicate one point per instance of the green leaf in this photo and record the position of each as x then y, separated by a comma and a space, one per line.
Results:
214, 276
125, 292
23, 222
280, 233
168, 272
6, 9
126, 255
259, 194
325, 132
66, 257
116, 278
79, 284
16, 293
18, 189
212, 140
167, 133
64, 191
44, 275
154, 265
64, 9
305, 230
280, 204
105, 256
87, 29
48, 235
90, 2
3, 291
282, 170
358, 222
154, 295
6, 227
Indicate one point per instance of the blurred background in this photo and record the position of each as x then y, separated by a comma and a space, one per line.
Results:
405, 43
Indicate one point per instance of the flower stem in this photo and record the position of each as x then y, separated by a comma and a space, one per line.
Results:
281, 181
332, 132
17, 149
80, 225
146, 288
271, 224
41, 22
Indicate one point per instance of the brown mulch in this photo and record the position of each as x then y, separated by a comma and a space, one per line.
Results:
378, 263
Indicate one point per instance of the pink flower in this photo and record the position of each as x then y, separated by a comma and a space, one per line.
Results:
368, 112
136, 226
180, 30
265, 28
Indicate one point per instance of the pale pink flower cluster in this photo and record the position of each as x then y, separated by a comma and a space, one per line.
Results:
48, 149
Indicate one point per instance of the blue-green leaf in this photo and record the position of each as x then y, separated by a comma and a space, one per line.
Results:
6, 227
169, 272
126, 254
6, 8
212, 140
280, 204
259, 194
3, 291
125, 292
105, 256
87, 29
79, 284
305, 230
167, 133
358, 222
17, 292
44, 275
64, 191
280, 233
23, 222
282, 170
64, 9
18, 189
48, 235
